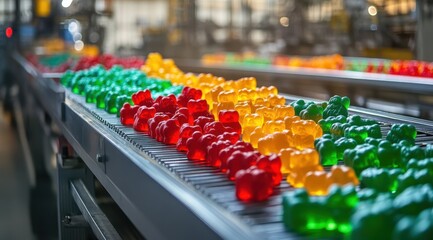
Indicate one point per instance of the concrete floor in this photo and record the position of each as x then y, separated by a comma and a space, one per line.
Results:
14, 187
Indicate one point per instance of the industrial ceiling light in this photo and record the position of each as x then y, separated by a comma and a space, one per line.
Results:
79, 45
372, 10
73, 27
66, 3
284, 21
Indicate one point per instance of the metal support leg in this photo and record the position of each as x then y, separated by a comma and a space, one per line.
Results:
78, 212
71, 224
92, 214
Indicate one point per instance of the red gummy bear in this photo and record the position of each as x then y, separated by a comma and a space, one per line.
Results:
166, 104
188, 94
130, 62
230, 118
380, 68
186, 132
227, 152
182, 116
213, 151
233, 137
253, 184
271, 164
153, 123
201, 121
197, 145
196, 106
369, 68
141, 118
216, 128
168, 131
127, 113
227, 116
240, 160
203, 114
143, 98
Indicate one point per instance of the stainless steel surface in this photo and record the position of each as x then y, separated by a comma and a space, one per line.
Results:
93, 215
52, 75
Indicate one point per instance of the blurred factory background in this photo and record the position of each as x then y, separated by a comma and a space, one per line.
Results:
191, 28
363, 32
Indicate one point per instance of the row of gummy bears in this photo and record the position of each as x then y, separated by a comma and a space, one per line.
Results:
249, 133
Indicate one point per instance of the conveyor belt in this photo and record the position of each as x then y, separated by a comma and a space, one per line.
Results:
264, 219
211, 183
164, 194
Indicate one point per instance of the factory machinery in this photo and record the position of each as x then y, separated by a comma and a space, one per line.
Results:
117, 183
